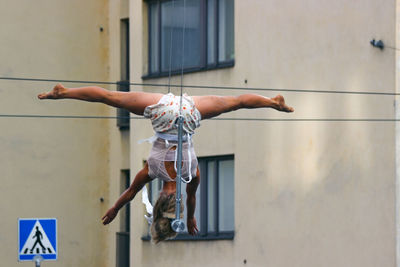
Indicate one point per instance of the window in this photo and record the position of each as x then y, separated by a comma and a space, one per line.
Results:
123, 85
123, 236
214, 199
124, 49
208, 35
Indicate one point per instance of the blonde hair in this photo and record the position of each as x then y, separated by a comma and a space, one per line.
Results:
161, 227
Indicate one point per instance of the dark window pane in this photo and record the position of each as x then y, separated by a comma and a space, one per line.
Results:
122, 244
169, 34
172, 25
211, 32
211, 179
154, 37
226, 195
125, 50
206, 33
122, 249
124, 212
214, 199
226, 30
123, 121
193, 34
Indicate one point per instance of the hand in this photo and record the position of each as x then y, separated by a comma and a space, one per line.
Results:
192, 226
109, 216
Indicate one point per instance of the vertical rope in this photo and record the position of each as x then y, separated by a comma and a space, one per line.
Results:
178, 225
183, 52
170, 51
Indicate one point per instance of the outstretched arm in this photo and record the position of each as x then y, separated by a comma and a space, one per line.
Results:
140, 180
135, 102
191, 189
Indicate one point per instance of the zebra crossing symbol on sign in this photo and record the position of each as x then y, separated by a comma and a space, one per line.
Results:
37, 237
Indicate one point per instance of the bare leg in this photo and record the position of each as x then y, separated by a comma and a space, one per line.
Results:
135, 102
211, 106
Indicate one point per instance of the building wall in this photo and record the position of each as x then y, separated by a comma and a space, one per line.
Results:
119, 139
397, 136
306, 193
54, 167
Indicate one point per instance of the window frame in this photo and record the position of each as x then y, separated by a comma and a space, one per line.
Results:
203, 220
204, 66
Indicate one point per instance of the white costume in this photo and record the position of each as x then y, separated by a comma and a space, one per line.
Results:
163, 116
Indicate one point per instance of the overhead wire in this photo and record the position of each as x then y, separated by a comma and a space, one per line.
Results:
199, 86
36, 116
392, 47
169, 85
207, 87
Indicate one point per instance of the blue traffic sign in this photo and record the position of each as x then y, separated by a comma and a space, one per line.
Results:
37, 237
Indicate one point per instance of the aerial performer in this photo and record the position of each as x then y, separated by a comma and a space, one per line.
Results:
163, 111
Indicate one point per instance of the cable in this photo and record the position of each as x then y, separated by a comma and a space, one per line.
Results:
307, 120
391, 47
59, 80
209, 87
62, 116
170, 50
217, 119
183, 55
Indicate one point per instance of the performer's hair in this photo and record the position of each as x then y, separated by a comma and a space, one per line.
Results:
163, 214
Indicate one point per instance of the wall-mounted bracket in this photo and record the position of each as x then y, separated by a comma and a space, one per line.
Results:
379, 44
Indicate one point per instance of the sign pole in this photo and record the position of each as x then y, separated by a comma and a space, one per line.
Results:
37, 259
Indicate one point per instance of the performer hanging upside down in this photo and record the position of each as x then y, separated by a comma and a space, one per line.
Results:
163, 111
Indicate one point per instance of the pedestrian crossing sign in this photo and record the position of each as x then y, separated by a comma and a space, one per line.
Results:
37, 237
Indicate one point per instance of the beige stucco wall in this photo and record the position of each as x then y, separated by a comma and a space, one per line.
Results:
119, 140
306, 193
397, 135
54, 167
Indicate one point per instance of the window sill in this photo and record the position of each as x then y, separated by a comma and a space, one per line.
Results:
209, 237
223, 65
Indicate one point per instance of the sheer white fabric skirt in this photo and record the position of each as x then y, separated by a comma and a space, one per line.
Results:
163, 151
